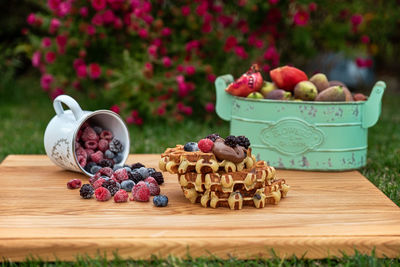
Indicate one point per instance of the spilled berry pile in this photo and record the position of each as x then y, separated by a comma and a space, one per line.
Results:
116, 182
96, 148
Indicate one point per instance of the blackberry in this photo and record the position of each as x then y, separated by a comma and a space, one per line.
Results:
243, 141
151, 171
135, 176
137, 165
112, 186
231, 141
213, 137
116, 145
86, 191
143, 171
106, 163
158, 176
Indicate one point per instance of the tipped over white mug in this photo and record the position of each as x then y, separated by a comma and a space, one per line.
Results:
60, 134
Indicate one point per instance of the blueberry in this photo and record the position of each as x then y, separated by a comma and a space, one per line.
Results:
118, 158
89, 166
143, 172
117, 167
108, 154
94, 169
97, 129
127, 185
191, 146
160, 201
151, 171
127, 169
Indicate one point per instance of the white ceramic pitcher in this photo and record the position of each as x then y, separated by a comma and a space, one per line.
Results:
60, 134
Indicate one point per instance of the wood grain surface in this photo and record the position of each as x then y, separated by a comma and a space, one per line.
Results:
325, 214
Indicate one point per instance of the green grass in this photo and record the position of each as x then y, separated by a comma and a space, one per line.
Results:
25, 112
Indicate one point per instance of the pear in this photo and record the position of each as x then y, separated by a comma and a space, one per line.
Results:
320, 81
255, 95
305, 90
267, 87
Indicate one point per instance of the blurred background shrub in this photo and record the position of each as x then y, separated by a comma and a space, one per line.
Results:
159, 59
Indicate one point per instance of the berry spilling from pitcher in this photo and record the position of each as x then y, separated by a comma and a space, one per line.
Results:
290, 83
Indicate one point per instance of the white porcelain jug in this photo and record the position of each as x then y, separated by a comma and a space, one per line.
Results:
61, 132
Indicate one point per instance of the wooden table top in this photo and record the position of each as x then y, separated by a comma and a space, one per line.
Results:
324, 214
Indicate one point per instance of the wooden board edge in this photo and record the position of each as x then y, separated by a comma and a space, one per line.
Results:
145, 248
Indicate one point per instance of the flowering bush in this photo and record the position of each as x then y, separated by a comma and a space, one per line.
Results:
160, 58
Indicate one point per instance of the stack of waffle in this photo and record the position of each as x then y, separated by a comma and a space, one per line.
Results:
213, 182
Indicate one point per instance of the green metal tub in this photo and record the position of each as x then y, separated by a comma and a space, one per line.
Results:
302, 135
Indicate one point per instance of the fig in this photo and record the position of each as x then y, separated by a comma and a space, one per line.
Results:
249, 82
267, 87
305, 90
279, 94
287, 77
255, 95
333, 93
347, 92
334, 83
360, 97
320, 81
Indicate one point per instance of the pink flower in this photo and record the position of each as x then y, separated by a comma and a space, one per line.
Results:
185, 10
152, 50
57, 92
187, 110
143, 33
130, 120
241, 52
201, 9
194, 44
161, 111
225, 20
97, 19
364, 63
301, 18
64, 8
180, 79
138, 121
46, 42
54, 25
61, 40
99, 4
78, 62
166, 31
211, 77
46, 81
190, 70
115, 108
50, 57
365, 39
230, 43
273, 2
36, 59
210, 107
118, 24
94, 70
148, 19
91, 30
180, 68
206, 28
108, 16
31, 19
84, 11
53, 4
166, 62
356, 20
312, 6
81, 71
266, 68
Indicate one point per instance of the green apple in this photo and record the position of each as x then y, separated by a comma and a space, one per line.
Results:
255, 95
267, 87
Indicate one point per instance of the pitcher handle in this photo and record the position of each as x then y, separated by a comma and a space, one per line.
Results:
70, 102
372, 108
224, 100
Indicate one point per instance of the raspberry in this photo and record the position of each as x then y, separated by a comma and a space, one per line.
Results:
91, 144
98, 183
116, 145
86, 191
107, 171
121, 196
108, 154
137, 186
79, 135
82, 161
112, 186
121, 175
102, 194
106, 163
150, 180
97, 156
137, 165
154, 189
94, 178
89, 134
106, 135
141, 194
103, 145
77, 145
213, 137
243, 141
127, 185
160, 201
205, 145
158, 176
74, 184
81, 152
89, 152
230, 141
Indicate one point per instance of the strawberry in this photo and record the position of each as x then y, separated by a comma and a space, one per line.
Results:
249, 82
287, 77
